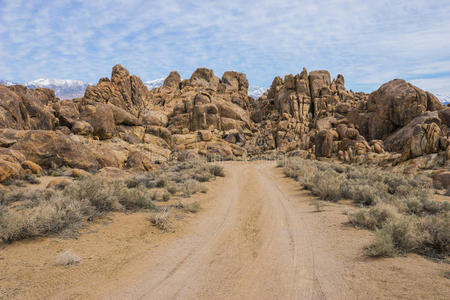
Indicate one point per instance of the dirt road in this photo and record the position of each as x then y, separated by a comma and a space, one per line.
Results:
261, 239
257, 236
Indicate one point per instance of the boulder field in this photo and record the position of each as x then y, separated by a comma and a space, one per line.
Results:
120, 124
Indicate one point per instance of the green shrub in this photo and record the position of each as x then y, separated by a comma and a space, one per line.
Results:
437, 234
327, 186
397, 236
373, 217
98, 191
217, 170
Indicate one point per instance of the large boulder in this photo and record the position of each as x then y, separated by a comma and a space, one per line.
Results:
398, 141
11, 165
101, 118
205, 78
155, 118
444, 114
68, 113
394, 105
235, 82
172, 81
324, 142
51, 149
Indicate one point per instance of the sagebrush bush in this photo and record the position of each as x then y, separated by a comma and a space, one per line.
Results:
327, 186
161, 220
99, 192
373, 217
47, 217
44, 212
396, 205
437, 234
397, 236
217, 170
193, 207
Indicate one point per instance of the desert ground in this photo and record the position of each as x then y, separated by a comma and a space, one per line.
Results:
257, 235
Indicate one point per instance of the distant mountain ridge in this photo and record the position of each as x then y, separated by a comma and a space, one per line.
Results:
69, 88
64, 88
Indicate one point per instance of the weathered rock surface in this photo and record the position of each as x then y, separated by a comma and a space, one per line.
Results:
119, 124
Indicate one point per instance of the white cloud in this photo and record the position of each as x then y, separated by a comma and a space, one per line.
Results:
368, 42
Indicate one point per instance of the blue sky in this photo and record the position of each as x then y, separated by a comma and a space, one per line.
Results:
369, 42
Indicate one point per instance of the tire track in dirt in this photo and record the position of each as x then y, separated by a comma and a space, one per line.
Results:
259, 239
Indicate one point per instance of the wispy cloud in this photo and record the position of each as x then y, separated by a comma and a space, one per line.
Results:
369, 42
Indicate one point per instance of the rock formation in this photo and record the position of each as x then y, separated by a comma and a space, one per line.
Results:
120, 124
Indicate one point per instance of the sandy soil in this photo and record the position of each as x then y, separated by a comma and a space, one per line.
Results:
256, 237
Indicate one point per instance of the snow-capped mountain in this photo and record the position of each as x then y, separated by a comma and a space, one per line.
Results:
444, 99
255, 91
7, 82
69, 89
151, 84
64, 89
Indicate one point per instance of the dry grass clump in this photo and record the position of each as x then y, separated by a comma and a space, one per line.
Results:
68, 258
33, 213
397, 236
161, 220
395, 205
373, 217
193, 207
46, 217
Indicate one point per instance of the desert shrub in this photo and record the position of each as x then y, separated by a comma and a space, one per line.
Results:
396, 205
144, 180
68, 258
166, 196
32, 179
290, 172
190, 187
437, 234
193, 207
49, 211
162, 182
424, 206
48, 217
327, 186
373, 217
98, 191
172, 188
161, 220
203, 176
317, 205
366, 194
29, 197
217, 170
134, 198
383, 245
397, 236
435, 207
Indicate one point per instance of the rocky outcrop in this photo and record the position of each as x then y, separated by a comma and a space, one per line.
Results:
52, 149
124, 91
172, 81
22, 108
394, 105
119, 124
